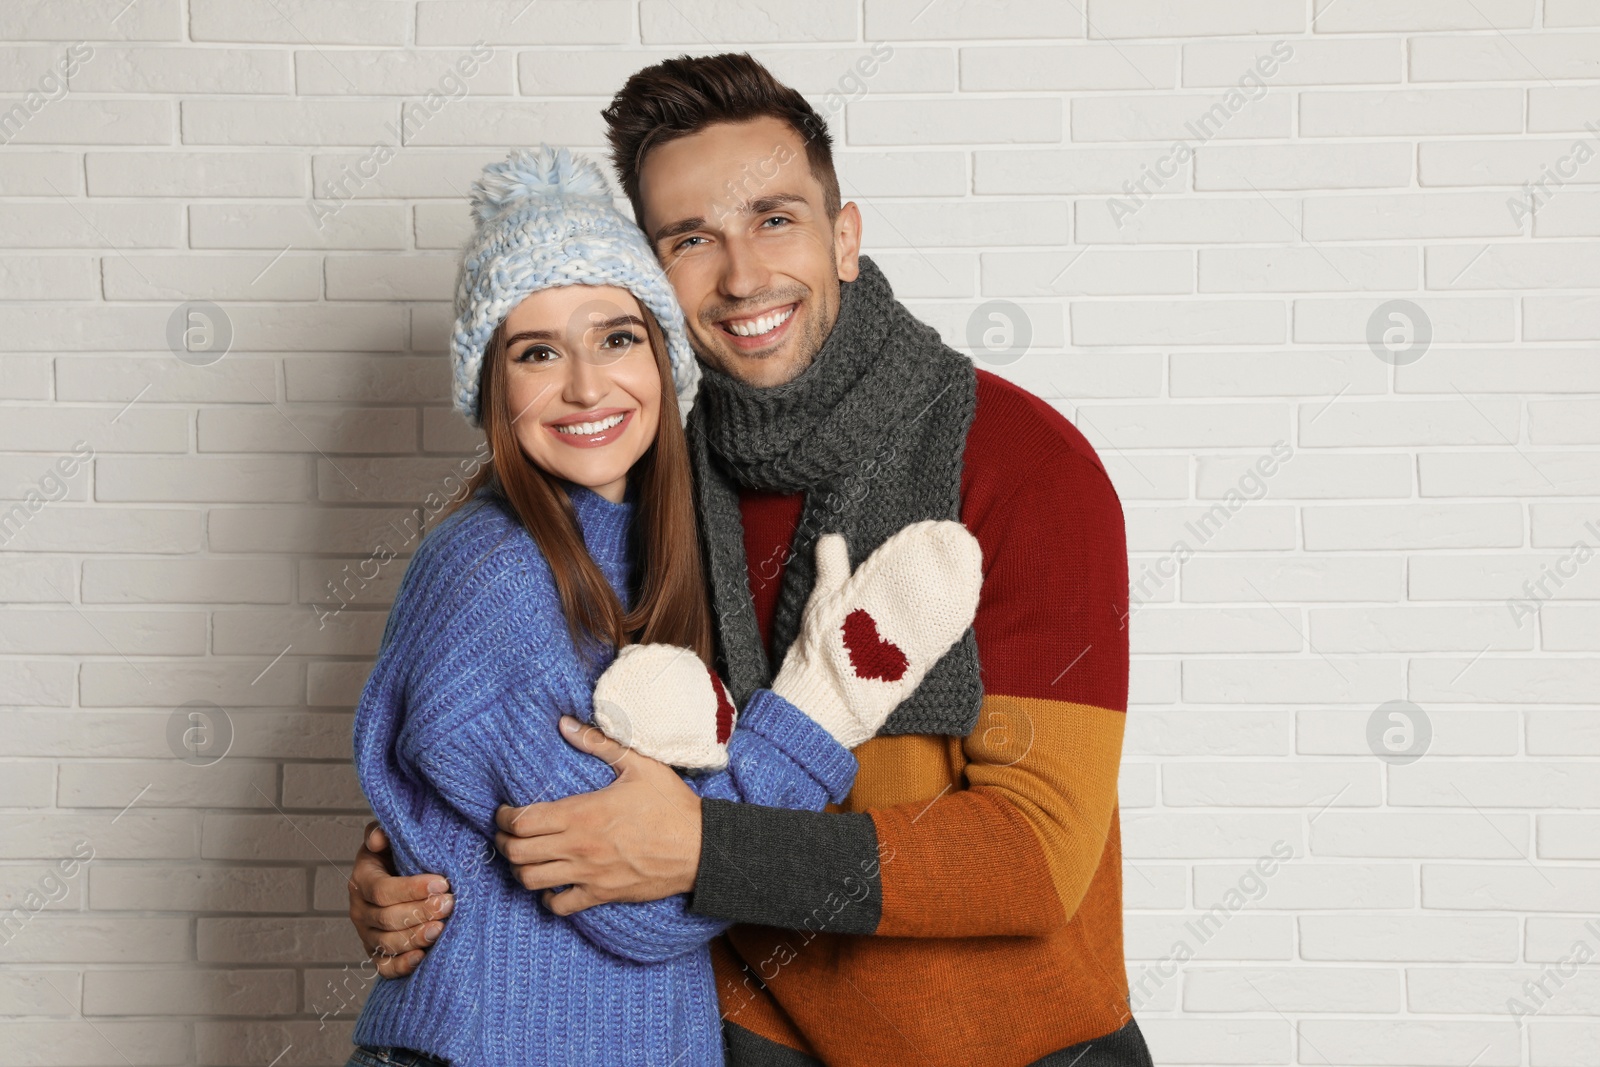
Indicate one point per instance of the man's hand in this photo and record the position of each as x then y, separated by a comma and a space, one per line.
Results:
396, 918
636, 839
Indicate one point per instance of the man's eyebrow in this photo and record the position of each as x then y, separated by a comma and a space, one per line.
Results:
771, 202
682, 226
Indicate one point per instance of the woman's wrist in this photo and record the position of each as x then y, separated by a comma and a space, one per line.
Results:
809, 744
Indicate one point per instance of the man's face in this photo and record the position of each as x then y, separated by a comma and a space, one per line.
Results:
742, 229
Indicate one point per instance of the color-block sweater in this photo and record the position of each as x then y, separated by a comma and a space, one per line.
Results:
970, 887
458, 716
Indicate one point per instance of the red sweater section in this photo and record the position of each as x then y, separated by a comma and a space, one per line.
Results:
770, 520
1024, 642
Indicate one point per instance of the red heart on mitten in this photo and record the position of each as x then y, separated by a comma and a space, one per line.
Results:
724, 709
870, 654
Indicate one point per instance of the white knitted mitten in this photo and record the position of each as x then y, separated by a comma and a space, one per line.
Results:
661, 701
867, 639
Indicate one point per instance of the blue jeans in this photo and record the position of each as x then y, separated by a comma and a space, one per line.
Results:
367, 1056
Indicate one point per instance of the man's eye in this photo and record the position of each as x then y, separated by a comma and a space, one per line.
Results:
775, 218
681, 245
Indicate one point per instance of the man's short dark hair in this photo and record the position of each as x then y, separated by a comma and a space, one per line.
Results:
683, 95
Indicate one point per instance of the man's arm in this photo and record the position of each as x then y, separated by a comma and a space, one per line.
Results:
1029, 833
777, 755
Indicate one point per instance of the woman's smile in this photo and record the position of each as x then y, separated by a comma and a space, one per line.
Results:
592, 429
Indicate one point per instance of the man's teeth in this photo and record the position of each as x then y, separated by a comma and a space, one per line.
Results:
585, 429
765, 324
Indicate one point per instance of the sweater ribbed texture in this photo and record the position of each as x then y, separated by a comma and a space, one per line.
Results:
459, 715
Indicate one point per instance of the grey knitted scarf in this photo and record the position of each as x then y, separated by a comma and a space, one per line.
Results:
873, 433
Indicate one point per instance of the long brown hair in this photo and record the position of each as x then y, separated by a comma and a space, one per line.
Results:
671, 606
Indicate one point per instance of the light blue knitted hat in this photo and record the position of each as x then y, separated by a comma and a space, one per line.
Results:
544, 217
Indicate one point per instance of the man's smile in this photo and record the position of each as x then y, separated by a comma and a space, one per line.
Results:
750, 332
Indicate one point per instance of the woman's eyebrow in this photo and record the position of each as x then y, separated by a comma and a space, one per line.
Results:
551, 335
620, 320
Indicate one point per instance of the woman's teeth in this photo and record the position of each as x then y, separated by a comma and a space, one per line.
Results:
586, 429
765, 324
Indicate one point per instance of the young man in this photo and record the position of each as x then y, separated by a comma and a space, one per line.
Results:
964, 905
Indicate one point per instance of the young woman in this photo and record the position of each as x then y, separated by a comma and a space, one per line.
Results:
569, 583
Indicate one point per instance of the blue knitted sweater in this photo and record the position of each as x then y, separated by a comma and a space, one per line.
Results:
459, 716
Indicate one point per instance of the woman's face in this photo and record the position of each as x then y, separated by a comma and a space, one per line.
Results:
582, 382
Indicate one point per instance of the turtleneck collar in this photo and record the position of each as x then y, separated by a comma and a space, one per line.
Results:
606, 526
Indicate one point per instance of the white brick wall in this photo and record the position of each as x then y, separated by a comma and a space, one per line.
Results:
1199, 313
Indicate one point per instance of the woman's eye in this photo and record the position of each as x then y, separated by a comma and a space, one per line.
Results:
537, 354
623, 339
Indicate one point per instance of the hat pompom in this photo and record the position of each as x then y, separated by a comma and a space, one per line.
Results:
542, 172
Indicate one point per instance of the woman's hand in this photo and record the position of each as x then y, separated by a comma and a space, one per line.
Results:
636, 839
396, 918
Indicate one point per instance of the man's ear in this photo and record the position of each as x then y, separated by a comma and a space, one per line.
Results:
847, 241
